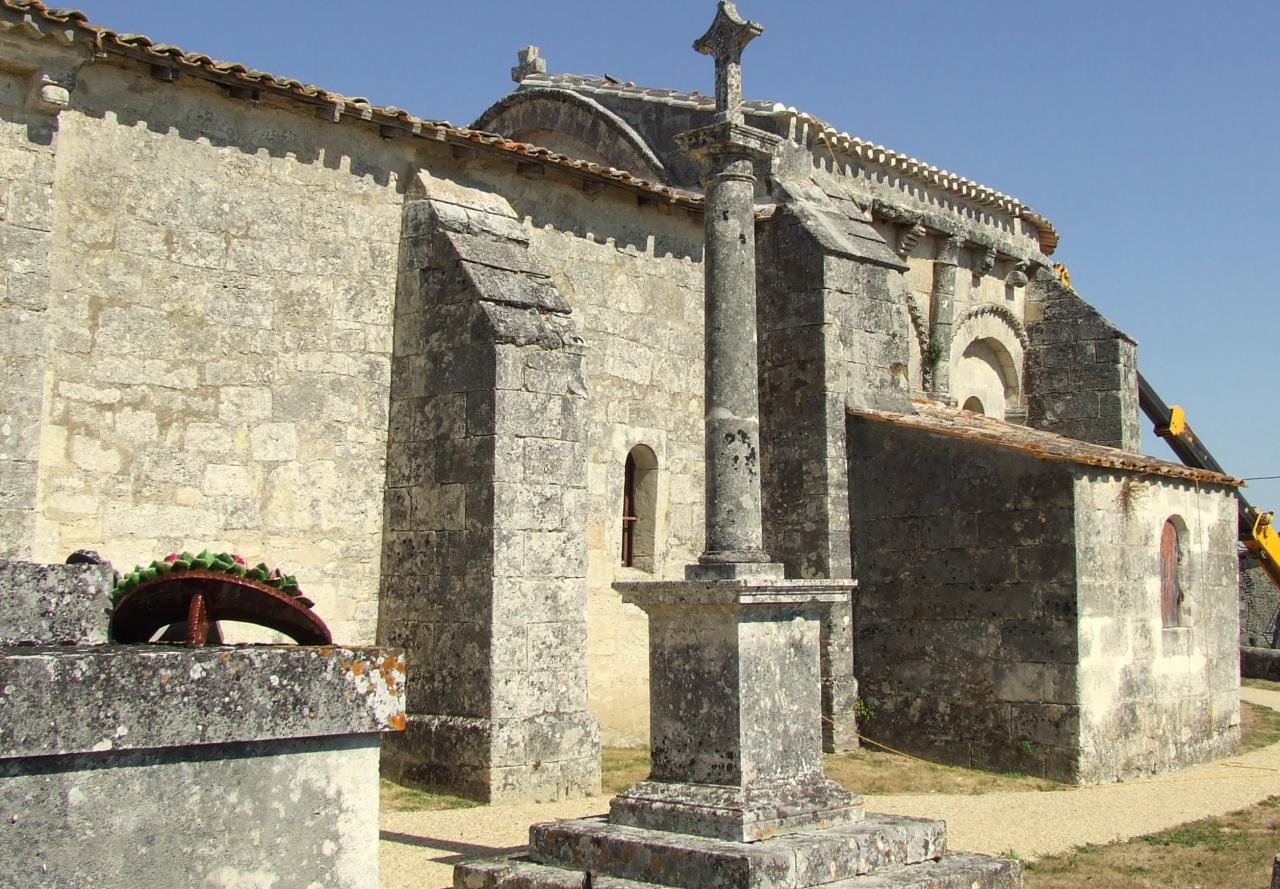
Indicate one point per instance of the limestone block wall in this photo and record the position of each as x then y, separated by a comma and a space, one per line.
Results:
220, 320
1082, 373
1154, 698
833, 330
965, 640
28, 137
633, 278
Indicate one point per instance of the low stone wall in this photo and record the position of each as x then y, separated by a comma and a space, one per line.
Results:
128, 766
1260, 663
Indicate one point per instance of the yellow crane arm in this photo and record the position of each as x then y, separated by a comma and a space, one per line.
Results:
1264, 543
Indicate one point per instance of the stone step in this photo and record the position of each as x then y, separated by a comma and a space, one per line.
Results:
955, 870
518, 872
952, 871
786, 862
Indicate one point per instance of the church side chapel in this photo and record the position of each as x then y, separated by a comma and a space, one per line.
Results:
454, 377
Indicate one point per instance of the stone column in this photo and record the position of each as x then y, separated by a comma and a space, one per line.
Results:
728, 151
732, 425
943, 314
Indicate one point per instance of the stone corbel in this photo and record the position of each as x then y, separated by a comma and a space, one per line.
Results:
908, 237
1018, 277
50, 91
910, 225
984, 261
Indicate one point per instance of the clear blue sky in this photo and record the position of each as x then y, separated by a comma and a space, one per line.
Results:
1147, 132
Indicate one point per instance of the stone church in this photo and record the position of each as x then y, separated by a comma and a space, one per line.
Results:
452, 378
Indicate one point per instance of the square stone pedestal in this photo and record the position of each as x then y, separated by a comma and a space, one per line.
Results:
737, 798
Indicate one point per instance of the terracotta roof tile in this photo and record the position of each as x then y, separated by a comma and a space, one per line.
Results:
141, 48
930, 416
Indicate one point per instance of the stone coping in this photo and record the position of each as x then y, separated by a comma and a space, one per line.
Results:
61, 700
735, 592
62, 604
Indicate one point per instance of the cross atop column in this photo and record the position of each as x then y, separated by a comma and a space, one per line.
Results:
724, 41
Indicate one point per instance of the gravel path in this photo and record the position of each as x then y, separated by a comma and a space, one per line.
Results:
419, 849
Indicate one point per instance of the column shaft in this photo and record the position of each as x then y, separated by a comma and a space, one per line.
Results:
732, 386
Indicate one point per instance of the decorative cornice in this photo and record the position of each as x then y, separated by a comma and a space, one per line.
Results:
820, 133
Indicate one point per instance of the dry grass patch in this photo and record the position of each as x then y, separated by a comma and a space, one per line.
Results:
863, 771
1234, 850
620, 767
1259, 727
877, 772
393, 797
1265, 684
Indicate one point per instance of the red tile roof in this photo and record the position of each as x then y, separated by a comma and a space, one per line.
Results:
931, 416
72, 25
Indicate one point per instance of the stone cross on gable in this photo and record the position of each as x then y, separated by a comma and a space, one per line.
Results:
724, 41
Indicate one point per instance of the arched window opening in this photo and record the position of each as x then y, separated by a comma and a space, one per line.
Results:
1171, 592
973, 405
639, 508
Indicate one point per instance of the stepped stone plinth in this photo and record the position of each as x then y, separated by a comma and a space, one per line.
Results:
735, 710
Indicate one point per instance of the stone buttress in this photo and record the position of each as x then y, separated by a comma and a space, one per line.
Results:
483, 577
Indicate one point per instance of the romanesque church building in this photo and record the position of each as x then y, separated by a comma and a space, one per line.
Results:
453, 379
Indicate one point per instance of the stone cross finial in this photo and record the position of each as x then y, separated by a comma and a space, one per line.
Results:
724, 41
530, 63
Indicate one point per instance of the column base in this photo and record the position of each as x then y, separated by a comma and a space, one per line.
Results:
881, 852
755, 571
756, 812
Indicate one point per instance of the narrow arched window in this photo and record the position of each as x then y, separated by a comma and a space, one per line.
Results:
1170, 575
639, 508
629, 512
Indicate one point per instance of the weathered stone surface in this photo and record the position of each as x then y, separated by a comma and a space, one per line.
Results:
1008, 610
730, 151
1259, 605
1082, 372
291, 814
54, 603
87, 699
807, 858
952, 871
741, 760
500, 713
1260, 663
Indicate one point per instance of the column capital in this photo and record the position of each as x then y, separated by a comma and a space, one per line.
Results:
949, 250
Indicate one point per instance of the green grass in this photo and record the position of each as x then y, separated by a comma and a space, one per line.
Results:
1265, 684
1227, 851
397, 798
1259, 727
